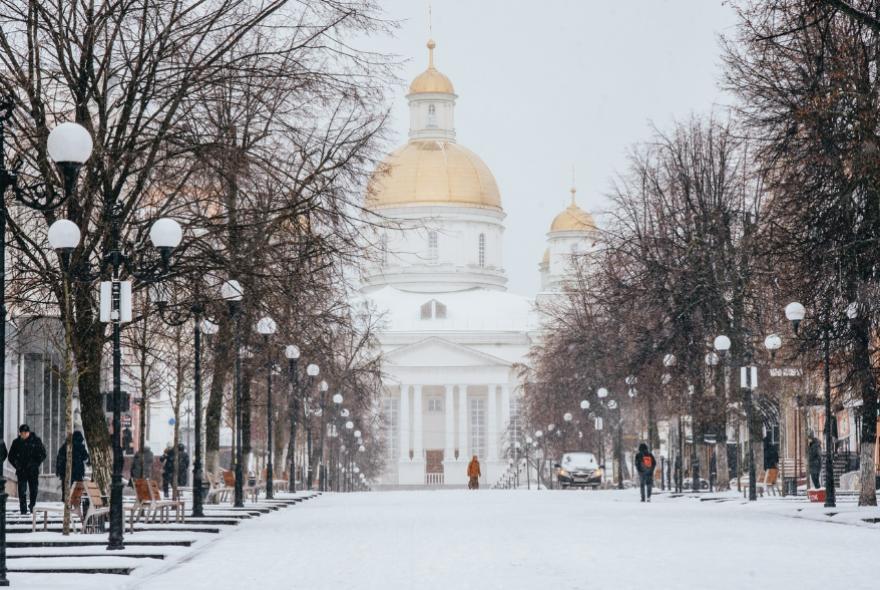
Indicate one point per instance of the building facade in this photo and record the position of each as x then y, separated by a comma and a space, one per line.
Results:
453, 338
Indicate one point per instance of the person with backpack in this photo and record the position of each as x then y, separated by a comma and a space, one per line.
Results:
645, 465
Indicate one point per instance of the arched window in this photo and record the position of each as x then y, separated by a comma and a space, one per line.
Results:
432, 246
432, 310
481, 253
432, 116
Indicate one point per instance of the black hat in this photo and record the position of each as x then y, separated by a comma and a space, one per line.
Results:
24, 428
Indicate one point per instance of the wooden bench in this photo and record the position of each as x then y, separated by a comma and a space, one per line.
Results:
278, 485
217, 491
96, 510
165, 505
229, 480
74, 501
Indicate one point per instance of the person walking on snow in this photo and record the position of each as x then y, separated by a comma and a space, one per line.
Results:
473, 472
814, 457
80, 458
168, 471
645, 465
182, 465
26, 454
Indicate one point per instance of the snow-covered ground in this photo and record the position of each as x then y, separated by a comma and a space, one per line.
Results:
458, 540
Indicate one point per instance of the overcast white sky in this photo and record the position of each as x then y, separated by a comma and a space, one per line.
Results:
546, 85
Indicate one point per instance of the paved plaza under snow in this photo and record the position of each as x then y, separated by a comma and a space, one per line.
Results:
490, 539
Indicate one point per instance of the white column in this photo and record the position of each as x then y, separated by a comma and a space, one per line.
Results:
449, 451
463, 452
404, 422
492, 424
505, 412
418, 437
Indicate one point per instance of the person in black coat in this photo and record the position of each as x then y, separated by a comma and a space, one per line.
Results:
26, 454
80, 458
645, 465
167, 460
814, 459
182, 464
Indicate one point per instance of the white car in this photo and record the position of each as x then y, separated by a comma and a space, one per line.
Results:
579, 469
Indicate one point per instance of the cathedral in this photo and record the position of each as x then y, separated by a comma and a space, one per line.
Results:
453, 339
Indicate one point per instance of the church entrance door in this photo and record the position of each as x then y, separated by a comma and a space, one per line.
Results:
434, 467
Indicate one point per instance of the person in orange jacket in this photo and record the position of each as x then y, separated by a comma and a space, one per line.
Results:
474, 474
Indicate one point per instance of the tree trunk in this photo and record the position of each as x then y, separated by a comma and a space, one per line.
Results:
722, 481
867, 436
88, 340
222, 359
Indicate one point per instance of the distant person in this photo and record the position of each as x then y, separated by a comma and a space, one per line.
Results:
142, 464
771, 464
80, 458
182, 464
26, 454
473, 472
814, 459
127, 441
167, 460
645, 465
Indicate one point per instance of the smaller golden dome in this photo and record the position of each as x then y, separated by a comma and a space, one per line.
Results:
573, 218
431, 80
546, 259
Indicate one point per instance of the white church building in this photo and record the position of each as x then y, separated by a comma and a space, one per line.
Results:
453, 339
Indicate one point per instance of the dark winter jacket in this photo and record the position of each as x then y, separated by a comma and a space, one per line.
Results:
815, 456
80, 458
182, 466
645, 461
167, 460
142, 464
26, 455
771, 455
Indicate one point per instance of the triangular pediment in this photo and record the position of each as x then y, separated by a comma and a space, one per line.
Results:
437, 352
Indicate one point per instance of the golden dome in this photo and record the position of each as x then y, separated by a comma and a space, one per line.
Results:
573, 218
546, 259
431, 80
433, 172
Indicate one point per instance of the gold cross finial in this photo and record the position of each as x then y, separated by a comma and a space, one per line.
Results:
431, 44
573, 189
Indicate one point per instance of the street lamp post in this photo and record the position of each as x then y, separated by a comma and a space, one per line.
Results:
165, 235
337, 404
526, 450
292, 354
312, 370
722, 345
266, 327
795, 313
539, 468
322, 406
232, 293
69, 146
208, 328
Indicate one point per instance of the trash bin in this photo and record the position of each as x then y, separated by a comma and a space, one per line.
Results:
789, 486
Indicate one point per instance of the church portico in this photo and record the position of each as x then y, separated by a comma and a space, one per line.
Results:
440, 427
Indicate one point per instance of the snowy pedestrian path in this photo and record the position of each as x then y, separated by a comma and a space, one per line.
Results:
458, 540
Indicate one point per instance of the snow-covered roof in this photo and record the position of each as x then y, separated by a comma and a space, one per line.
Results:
468, 310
